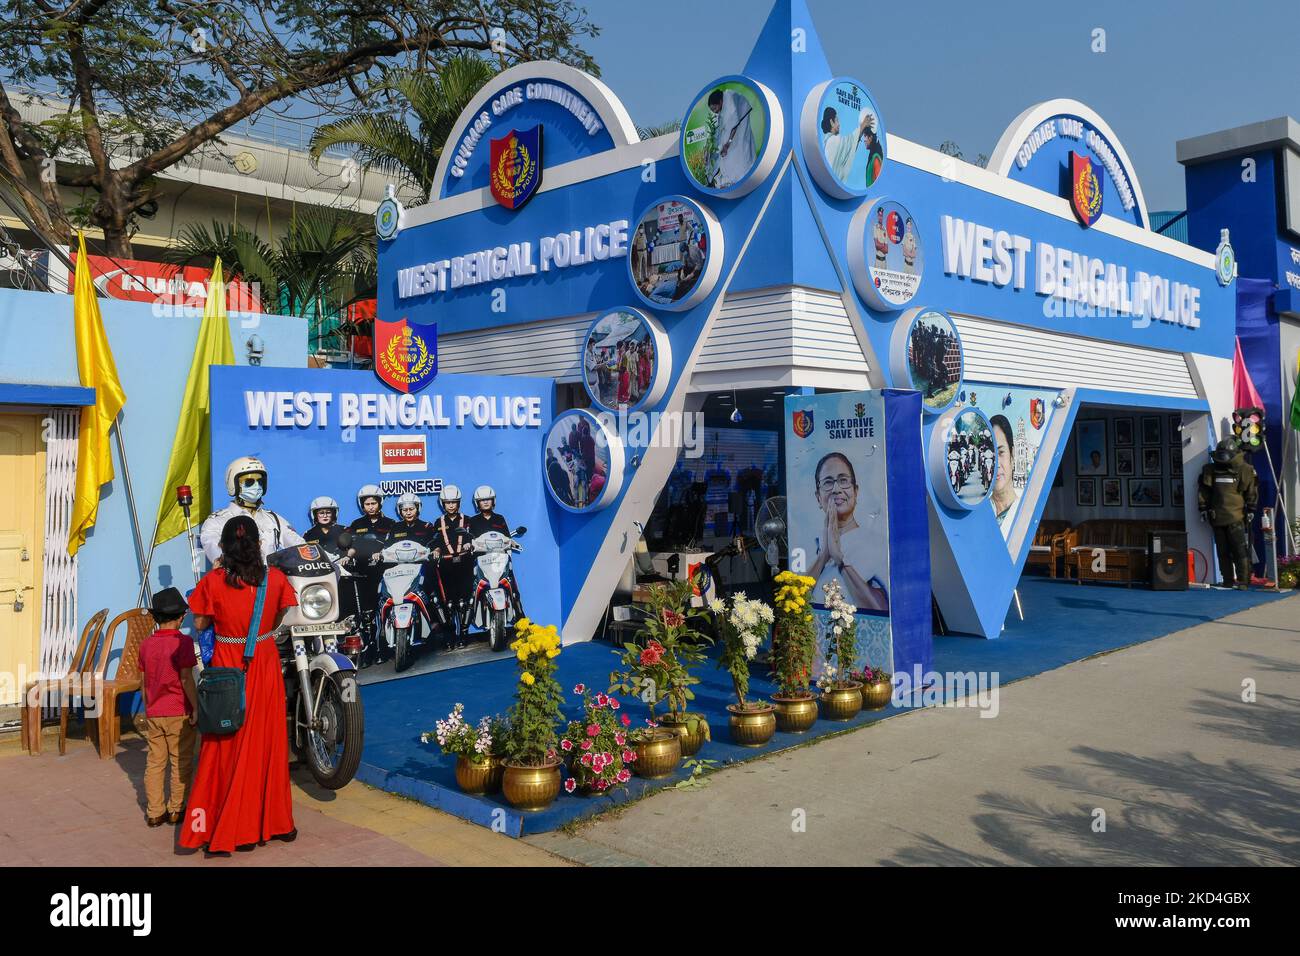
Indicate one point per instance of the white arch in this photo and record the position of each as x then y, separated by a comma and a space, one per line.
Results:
613, 114
1004, 154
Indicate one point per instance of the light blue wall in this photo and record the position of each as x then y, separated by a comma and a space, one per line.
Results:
153, 356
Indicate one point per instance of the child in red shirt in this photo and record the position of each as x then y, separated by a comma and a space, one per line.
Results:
170, 702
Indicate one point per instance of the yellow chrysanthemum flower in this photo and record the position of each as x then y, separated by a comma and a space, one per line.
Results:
528, 678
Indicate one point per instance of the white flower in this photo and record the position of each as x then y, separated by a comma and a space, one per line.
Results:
717, 607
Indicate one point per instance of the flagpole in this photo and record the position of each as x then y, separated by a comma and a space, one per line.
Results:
130, 505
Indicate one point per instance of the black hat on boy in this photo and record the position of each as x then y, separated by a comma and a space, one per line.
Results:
168, 605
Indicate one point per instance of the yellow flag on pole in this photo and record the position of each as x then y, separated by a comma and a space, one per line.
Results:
97, 370
191, 459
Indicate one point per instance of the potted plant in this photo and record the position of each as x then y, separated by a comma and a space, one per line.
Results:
477, 749
794, 642
1288, 572
672, 622
532, 767
648, 669
743, 622
597, 747
877, 687
841, 696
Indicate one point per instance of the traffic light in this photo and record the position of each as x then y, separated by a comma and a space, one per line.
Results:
1248, 428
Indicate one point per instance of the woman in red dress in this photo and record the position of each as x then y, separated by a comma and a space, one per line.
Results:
241, 795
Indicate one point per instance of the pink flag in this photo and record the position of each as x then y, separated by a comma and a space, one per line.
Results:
1243, 389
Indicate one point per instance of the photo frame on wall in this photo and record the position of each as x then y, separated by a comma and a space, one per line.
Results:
1176, 459
1124, 462
1145, 493
1090, 447
1123, 432
1085, 492
1152, 461
1176, 492
1174, 431
1151, 429
1112, 494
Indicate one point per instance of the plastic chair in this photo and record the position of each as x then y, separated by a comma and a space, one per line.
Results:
35, 691
139, 625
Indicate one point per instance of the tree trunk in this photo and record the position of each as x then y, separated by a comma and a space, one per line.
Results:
113, 215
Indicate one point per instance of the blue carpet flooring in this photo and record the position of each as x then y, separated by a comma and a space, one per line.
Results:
1064, 622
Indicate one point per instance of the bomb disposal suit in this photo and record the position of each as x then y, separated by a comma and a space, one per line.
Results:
1227, 495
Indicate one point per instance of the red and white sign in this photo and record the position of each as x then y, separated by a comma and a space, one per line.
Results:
403, 453
160, 282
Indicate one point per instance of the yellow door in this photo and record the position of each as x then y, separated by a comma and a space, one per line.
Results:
22, 551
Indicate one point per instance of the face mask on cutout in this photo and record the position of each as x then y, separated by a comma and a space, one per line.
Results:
251, 493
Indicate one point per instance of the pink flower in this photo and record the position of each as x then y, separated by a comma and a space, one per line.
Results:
551, 754
653, 653
586, 745
627, 721
593, 730
629, 756
673, 618
586, 760
613, 703
600, 700
602, 783
623, 776
566, 744
579, 688
620, 739
570, 785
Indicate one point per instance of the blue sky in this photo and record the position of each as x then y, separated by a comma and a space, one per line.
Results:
942, 69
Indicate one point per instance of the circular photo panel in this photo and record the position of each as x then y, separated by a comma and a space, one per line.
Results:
625, 360
583, 461
886, 257
843, 137
731, 136
963, 458
675, 254
925, 353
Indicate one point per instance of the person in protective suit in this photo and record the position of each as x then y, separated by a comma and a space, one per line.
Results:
246, 483
453, 544
1227, 494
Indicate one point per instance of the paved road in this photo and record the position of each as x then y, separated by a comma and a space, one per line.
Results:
1157, 736
78, 810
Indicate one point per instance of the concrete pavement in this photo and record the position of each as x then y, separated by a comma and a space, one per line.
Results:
1156, 737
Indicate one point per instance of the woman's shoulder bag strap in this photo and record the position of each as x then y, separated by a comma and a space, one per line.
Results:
250, 642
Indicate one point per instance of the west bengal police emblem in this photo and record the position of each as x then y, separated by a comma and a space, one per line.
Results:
308, 552
1037, 413
406, 354
802, 422
1085, 188
515, 166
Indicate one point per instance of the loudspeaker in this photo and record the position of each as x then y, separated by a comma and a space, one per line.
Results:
1168, 558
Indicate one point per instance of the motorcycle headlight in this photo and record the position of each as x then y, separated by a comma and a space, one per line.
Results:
315, 601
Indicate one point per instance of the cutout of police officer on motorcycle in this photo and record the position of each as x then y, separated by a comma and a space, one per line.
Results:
407, 584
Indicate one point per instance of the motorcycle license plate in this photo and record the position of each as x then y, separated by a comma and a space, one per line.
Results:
497, 597
299, 629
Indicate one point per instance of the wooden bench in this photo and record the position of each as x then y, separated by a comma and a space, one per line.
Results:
1122, 542
1047, 550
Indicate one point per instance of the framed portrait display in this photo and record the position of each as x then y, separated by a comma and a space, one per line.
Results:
582, 461
731, 136
1112, 494
1175, 459
625, 360
1124, 462
1174, 431
1176, 492
1145, 493
1085, 492
925, 351
1090, 447
1123, 432
675, 255
843, 137
1153, 461
1151, 429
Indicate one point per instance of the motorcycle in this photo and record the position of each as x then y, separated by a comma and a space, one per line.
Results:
410, 612
325, 719
494, 598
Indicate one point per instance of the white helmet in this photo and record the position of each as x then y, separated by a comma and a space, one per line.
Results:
368, 491
482, 493
409, 498
320, 503
448, 494
243, 466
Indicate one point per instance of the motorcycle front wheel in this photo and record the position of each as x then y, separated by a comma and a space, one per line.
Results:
403, 653
497, 631
332, 748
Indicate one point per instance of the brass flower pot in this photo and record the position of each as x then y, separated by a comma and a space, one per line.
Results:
690, 742
794, 715
876, 696
479, 778
658, 755
842, 703
752, 728
531, 788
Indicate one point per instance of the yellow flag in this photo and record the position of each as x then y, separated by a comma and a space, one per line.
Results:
97, 370
191, 460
